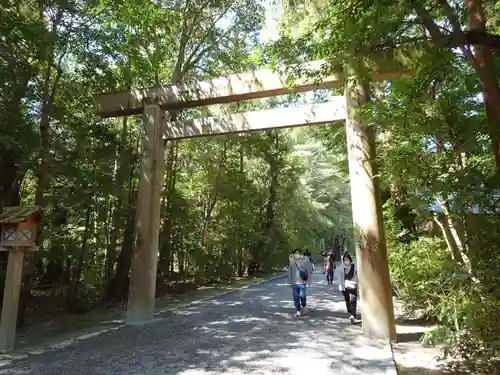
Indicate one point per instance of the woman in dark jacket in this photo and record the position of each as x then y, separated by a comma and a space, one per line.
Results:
349, 285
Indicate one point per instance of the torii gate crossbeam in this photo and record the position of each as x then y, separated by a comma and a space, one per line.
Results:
375, 288
276, 118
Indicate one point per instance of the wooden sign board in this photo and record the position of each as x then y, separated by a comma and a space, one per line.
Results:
19, 227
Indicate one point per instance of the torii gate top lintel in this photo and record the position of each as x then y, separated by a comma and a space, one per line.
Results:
244, 86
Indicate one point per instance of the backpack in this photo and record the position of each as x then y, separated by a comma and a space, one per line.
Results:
303, 274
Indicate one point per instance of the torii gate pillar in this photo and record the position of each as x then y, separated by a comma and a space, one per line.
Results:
371, 250
141, 299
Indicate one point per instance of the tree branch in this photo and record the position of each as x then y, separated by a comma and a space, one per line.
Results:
451, 40
428, 22
192, 58
457, 28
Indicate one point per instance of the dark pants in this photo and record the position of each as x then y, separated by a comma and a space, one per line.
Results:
329, 277
351, 298
299, 299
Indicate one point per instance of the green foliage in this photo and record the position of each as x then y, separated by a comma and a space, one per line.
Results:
464, 306
420, 272
230, 206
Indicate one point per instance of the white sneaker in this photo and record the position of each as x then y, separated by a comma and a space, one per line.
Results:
352, 319
298, 313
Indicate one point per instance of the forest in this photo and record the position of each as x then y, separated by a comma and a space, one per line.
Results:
234, 206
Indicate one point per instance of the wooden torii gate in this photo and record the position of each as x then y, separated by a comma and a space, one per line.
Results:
371, 252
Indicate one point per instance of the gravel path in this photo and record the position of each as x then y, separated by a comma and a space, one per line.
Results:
250, 331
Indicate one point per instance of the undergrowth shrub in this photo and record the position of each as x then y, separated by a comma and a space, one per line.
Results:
465, 306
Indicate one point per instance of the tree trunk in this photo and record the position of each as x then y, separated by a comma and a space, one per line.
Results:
49, 90
82, 255
9, 184
117, 288
166, 232
240, 244
457, 235
488, 77
442, 222
212, 199
267, 226
12, 115
122, 196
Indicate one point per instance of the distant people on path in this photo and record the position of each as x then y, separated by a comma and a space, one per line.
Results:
324, 255
348, 285
299, 274
329, 267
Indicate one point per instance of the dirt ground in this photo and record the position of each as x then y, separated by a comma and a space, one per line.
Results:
410, 355
412, 358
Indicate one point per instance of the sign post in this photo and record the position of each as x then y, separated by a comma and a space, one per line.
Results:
19, 228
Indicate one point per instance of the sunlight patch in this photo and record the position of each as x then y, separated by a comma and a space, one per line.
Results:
187, 312
195, 372
292, 362
248, 356
238, 320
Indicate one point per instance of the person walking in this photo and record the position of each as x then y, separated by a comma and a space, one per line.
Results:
299, 274
329, 267
348, 285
